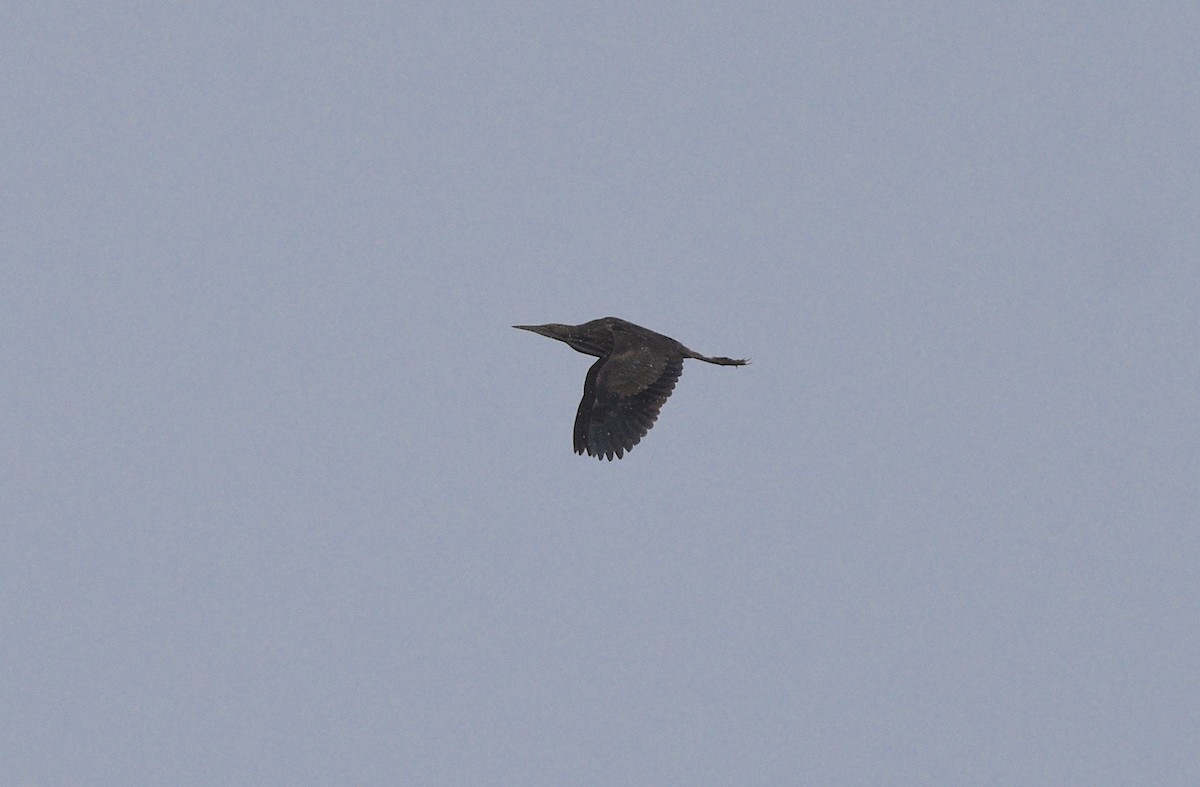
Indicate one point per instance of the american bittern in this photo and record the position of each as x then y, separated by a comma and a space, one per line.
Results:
625, 389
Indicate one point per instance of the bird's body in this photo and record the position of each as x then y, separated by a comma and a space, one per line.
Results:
626, 388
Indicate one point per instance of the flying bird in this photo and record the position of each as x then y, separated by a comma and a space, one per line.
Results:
625, 389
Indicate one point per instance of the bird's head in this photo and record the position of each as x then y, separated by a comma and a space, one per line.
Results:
586, 338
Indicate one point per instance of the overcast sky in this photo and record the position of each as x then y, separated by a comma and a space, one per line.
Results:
286, 500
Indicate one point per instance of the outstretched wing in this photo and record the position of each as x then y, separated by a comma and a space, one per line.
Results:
623, 394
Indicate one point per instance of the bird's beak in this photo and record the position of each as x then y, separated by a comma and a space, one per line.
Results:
544, 330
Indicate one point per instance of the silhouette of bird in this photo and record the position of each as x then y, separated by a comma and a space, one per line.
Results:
625, 389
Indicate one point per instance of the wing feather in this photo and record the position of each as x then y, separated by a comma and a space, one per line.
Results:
623, 394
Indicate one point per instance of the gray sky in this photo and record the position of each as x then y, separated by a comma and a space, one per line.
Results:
286, 500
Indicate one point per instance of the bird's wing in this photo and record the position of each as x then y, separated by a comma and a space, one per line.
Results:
623, 394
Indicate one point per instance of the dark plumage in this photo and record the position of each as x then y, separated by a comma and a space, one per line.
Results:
625, 389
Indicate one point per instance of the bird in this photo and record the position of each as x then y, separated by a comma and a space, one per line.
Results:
625, 389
